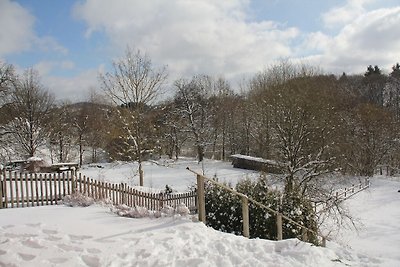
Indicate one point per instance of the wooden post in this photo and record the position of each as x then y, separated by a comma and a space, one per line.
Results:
304, 234
26, 189
11, 191
279, 226
201, 199
141, 174
323, 243
161, 201
46, 188
63, 183
41, 189
17, 188
32, 194
1, 188
245, 212
36, 189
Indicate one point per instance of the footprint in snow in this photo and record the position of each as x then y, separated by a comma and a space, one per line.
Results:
94, 251
69, 248
79, 237
34, 225
12, 235
31, 243
8, 226
26, 257
4, 240
122, 255
53, 238
49, 232
57, 260
91, 261
3, 252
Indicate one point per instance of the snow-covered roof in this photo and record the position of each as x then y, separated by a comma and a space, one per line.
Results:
268, 161
34, 159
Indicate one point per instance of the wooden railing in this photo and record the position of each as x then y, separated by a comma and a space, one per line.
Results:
352, 190
31, 189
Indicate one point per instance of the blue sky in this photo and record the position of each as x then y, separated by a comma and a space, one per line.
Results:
70, 42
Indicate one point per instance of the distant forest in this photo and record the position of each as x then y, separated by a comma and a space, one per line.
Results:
295, 114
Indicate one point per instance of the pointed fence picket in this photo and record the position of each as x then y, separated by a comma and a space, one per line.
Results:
31, 189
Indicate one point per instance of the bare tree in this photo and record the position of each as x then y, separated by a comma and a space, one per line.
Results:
371, 138
193, 103
7, 77
61, 135
134, 83
29, 111
133, 79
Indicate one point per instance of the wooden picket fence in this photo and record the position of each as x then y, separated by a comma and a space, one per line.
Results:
33, 189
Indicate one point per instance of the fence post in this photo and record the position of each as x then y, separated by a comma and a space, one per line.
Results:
245, 212
141, 174
201, 199
2, 176
161, 200
304, 234
279, 226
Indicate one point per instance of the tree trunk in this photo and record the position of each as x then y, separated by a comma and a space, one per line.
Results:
80, 151
141, 178
200, 152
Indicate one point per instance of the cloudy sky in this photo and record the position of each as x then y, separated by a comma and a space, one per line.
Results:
70, 42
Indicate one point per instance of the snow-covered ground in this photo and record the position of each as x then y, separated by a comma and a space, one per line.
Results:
94, 236
158, 174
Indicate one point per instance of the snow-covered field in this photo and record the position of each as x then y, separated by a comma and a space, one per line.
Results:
158, 174
94, 236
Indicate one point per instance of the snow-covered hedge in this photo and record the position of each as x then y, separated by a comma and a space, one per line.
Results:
224, 210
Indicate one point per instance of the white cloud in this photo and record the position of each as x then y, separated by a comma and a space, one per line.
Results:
74, 88
372, 38
191, 37
16, 32
342, 15
46, 67
48, 43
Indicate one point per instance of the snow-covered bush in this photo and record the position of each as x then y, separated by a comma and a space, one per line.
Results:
262, 222
182, 210
140, 212
224, 210
78, 200
299, 209
126, 211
